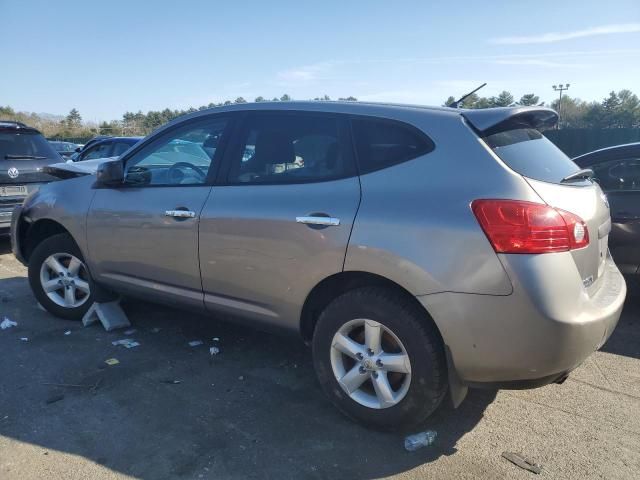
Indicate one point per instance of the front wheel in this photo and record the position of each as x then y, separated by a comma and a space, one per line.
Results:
59, 278
379, 360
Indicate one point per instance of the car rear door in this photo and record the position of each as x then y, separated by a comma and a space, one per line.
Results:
620, 180
279, 220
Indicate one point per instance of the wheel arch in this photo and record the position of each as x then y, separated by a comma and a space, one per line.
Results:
333, 286
32, 234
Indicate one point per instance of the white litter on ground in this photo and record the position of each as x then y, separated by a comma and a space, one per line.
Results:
195, 343
130, 331
214, 350
24, 339
6, 323
216, 339
68, 332
126, 342
155, 329
131, 345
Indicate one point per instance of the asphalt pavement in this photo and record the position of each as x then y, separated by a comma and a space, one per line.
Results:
169, 410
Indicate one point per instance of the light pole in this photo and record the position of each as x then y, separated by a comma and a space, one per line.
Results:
560, 88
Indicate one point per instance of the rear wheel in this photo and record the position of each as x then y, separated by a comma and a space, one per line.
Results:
379, 359
59, 278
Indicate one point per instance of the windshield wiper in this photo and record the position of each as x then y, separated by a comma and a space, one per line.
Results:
8, 156
581, 174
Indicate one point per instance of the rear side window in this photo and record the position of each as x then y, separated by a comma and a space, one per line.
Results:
531, 154
618, 175
383, 143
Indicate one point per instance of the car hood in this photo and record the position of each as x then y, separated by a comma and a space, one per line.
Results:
76, 169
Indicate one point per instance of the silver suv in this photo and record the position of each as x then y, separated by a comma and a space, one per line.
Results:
419, 250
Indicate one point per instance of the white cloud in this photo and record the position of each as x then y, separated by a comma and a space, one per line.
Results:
553, 37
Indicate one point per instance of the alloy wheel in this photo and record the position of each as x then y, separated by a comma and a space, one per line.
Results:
65, 280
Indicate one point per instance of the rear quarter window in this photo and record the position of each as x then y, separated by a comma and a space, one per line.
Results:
529, 153
383, 143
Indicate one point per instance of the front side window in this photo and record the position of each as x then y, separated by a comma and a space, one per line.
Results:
383, 143
618, 175
291, 148
181, 157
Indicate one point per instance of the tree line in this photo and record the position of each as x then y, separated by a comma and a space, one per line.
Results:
618, 110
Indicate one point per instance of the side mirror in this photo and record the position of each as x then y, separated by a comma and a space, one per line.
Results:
110, 174
78, 150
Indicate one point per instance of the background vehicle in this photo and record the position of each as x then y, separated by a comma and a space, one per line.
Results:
103, 147
417, 249
617, 170
23, 153
65, 149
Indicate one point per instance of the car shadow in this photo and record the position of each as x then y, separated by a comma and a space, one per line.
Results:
170, 410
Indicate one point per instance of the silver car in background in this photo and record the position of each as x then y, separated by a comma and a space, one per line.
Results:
418, 250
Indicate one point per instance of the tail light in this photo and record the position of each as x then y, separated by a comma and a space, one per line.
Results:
514, 226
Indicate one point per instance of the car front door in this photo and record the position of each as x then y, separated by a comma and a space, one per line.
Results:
143, 235
281, 220
620, 180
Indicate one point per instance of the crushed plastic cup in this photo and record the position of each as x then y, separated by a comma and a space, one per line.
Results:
419, 440
6, 323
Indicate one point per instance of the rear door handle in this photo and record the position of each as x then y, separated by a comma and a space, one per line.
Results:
180, 213
319, 220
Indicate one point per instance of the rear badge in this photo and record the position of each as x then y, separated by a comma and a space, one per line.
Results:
13, 172
587, 282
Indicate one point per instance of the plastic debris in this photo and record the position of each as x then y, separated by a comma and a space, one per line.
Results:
112, 361
216, 339
419, 440
522, 462
68, 332
6, 323
155, 329
24, 339
241, 377
195, 343
126, 342
214, 350
131, 331
171, 382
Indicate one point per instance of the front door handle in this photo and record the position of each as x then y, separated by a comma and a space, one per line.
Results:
180, 213
319, 220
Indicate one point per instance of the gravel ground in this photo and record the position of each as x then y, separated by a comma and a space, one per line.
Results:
256, 411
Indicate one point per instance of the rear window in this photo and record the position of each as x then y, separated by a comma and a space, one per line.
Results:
382, 143
25, 146
531, 154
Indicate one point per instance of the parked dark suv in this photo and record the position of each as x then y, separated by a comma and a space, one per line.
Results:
23, 154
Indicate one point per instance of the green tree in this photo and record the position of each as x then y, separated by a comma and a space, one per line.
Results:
240, 100
529, 99
504, 99
259, 99
285, 98
73, 119
348, 99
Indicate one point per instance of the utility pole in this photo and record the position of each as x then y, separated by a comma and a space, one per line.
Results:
560, 88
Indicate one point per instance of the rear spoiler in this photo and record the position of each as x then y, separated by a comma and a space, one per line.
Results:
488, 121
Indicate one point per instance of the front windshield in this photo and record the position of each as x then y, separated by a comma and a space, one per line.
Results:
25, 145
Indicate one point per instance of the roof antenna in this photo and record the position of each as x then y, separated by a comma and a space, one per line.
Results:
464, 97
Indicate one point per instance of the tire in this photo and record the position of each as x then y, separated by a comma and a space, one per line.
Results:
406, 332
62, 248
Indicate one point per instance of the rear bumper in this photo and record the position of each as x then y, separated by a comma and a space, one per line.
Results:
547, 327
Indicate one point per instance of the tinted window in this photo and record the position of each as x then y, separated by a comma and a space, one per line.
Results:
99, 151
531, 154
119, 148
16, 145
618, 174
290, 148
180, 157
382, 143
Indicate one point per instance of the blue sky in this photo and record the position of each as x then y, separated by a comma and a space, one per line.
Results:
105, 58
